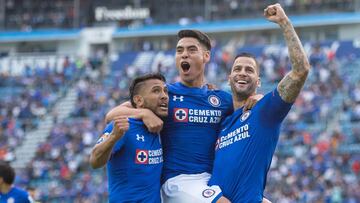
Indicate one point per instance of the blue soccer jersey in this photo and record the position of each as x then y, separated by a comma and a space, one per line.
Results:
15, 195
135, 165
245, 147
190, 130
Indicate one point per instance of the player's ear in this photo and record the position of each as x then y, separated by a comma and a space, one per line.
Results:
139, 101
228, 77
258, 82
206, 56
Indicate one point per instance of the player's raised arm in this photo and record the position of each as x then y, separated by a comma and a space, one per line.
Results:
290, 86
153, 123
100, 154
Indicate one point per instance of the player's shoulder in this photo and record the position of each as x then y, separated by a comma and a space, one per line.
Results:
178, 88
231, 119
174, 86
221, 93
270, 97
18, 192
137, 126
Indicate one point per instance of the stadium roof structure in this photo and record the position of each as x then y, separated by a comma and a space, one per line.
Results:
39, 35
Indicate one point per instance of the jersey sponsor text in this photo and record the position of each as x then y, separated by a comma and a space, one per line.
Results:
234, 136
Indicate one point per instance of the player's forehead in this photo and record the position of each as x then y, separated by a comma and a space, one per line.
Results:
187, 42
243, 61
151, 83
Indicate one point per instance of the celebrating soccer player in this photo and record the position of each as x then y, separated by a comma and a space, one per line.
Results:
133, 154
190, 130
9, 193
248, 139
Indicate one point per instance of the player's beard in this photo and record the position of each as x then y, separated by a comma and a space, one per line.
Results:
154, 107
242, 93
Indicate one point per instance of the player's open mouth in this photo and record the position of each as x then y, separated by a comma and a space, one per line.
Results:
185, 66
164, 106
242, 82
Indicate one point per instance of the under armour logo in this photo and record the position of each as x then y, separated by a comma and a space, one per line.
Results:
180, 98
140, 138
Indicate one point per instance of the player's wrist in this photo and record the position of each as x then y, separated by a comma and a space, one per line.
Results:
285, 23
114, 137
144, 113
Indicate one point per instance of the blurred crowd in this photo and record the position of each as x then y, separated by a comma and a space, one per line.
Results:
311, 164
35, 14
26, 98
28, 15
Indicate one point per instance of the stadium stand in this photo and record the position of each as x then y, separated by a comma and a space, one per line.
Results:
79, 13
52, 107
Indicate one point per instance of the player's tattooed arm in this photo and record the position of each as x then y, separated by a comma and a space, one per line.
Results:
290, 86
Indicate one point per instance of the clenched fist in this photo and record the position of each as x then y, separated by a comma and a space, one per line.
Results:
121, 125
275, 13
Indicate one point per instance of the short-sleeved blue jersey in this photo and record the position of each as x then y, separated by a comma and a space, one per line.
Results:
245, 147
190, 130
15, 195
135, 165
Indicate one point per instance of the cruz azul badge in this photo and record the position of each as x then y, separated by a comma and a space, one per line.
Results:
214, 101
245, 116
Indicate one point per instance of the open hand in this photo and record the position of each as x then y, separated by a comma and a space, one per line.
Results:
251, 101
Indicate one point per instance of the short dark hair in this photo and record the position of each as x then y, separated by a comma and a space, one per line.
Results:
7, 173
138, 82
249, 55
30, 188
203, 38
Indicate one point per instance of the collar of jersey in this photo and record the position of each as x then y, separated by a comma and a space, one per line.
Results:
239, 111
185, 90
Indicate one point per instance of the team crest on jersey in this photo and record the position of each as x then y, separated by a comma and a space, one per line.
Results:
141, 156
245, 116
214, 101
181, 114
208, 193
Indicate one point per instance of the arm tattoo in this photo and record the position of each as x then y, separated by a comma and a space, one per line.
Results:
290, 86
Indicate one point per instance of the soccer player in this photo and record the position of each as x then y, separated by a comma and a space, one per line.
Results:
133, 154
9, 193
247, 141
190, 130
33, 193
